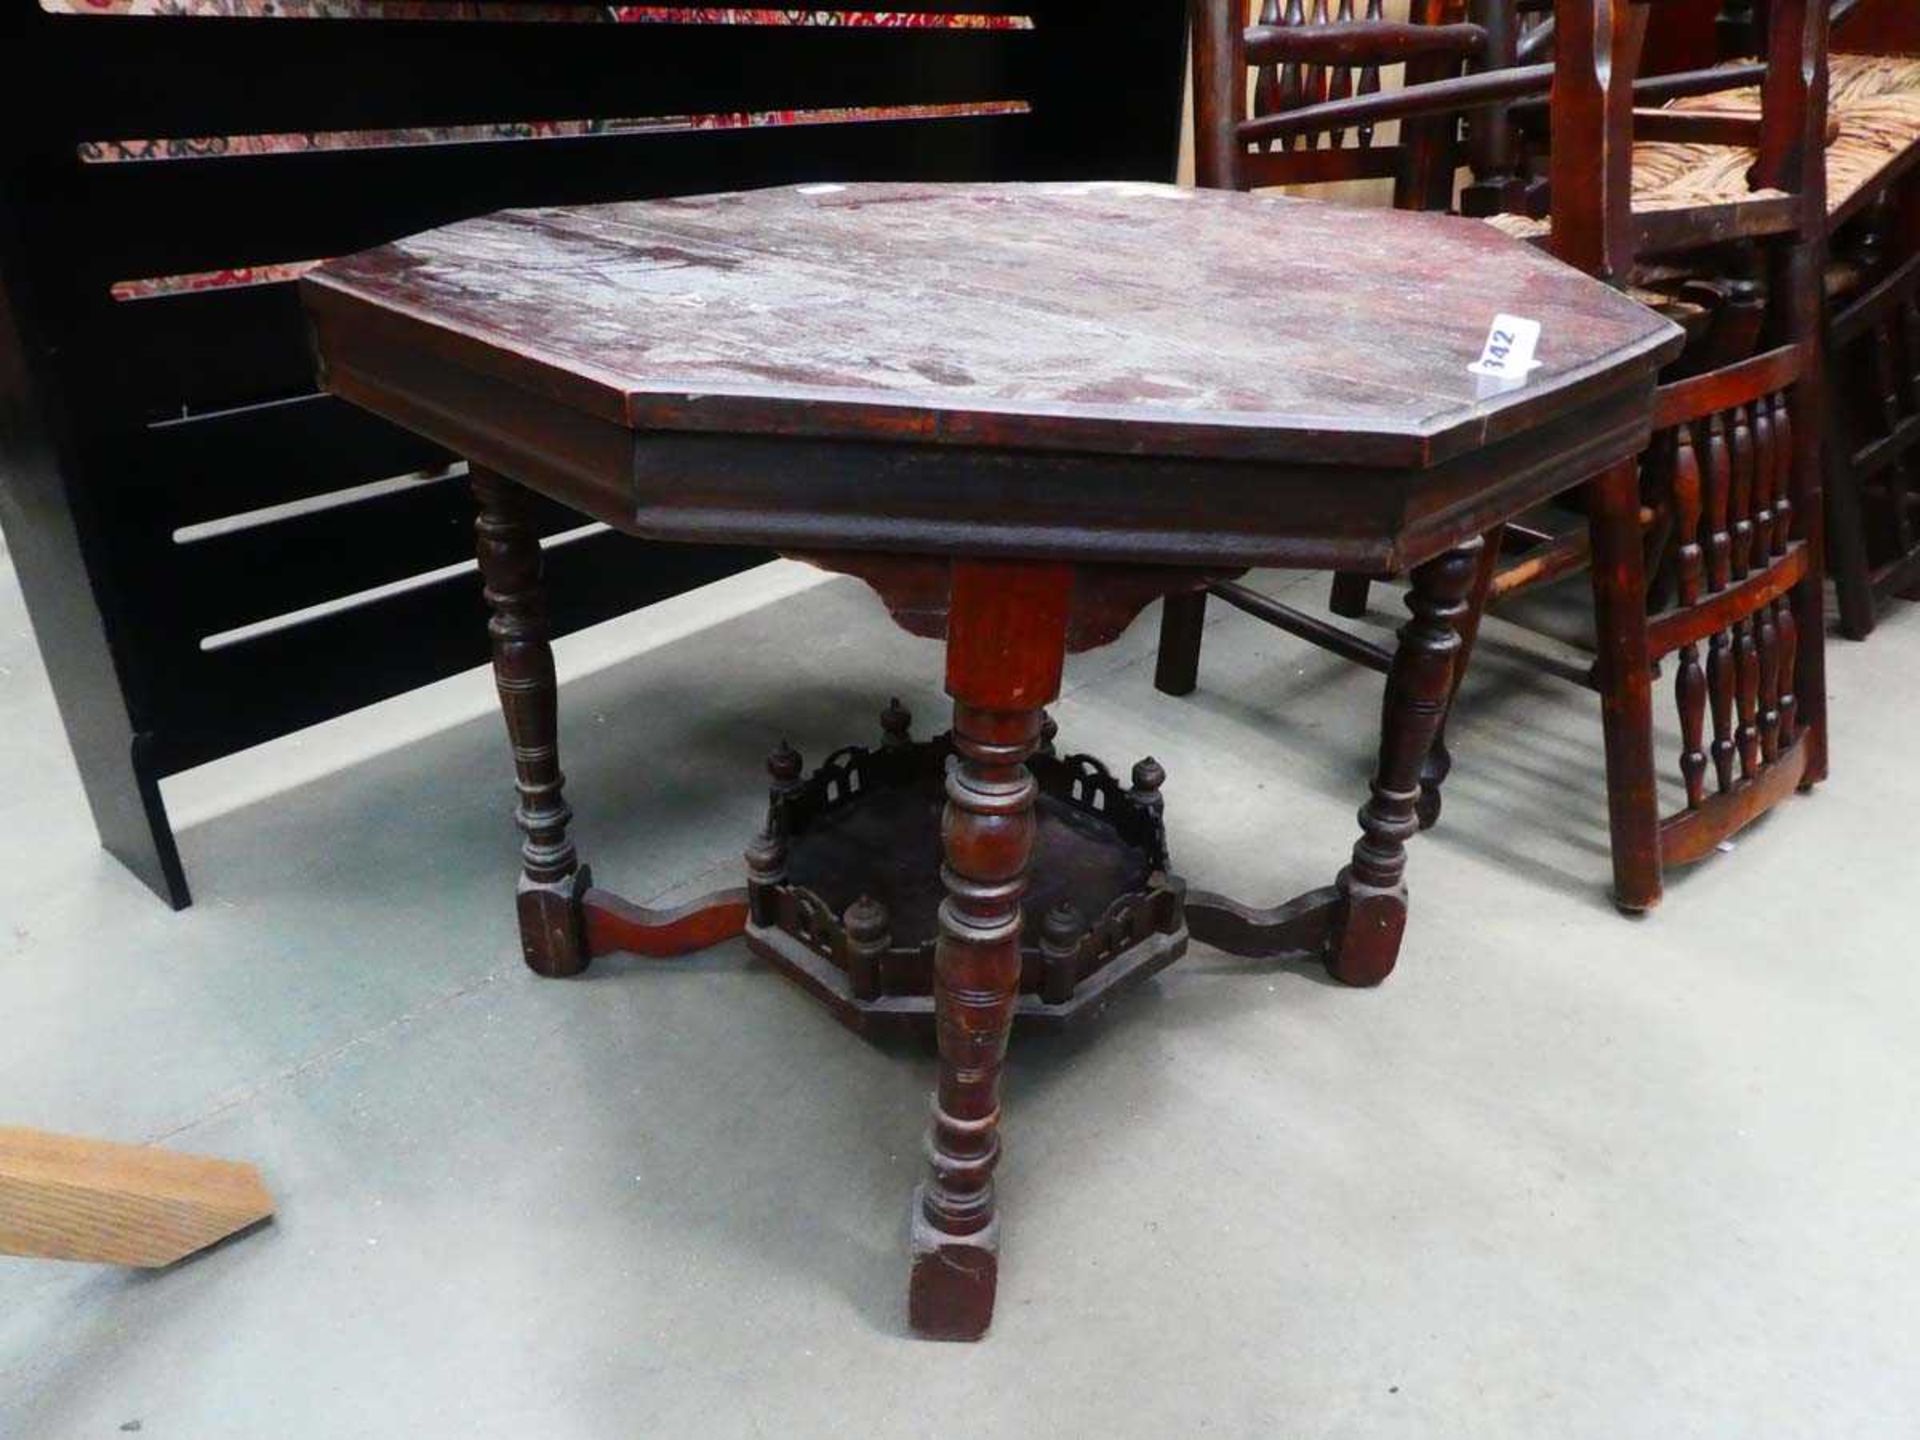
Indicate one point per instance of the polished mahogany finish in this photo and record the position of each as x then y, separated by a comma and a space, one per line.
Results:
1006, 640
724, 332
1020, 414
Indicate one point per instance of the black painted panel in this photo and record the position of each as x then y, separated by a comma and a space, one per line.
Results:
92, 489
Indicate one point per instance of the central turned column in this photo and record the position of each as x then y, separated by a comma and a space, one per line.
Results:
1006, 643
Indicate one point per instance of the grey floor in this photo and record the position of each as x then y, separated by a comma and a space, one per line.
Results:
1565, 1176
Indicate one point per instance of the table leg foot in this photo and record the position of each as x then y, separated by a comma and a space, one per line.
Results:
553, 932
950, 1296
1367, 928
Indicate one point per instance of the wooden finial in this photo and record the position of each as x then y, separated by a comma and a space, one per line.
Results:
785, 765
869, 932
1060, 935
1148, 776
896, 723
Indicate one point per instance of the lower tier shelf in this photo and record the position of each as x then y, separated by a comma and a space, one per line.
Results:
845, 885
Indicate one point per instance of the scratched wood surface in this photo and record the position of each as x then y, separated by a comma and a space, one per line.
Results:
1120, 317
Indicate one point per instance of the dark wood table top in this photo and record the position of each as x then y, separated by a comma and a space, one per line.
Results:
1164, 328
1097, 315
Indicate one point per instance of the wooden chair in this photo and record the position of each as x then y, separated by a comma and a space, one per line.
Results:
1873, 459
1305, 70
1872, 219
1873, 331
1727, 499
1726, 504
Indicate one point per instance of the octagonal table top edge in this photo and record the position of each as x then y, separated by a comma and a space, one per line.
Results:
775, 279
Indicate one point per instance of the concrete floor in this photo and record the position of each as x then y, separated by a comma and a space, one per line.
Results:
1565, 1176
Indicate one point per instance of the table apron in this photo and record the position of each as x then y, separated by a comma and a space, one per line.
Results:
805, 493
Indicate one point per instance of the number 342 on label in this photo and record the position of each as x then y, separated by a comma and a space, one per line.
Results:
1510, 347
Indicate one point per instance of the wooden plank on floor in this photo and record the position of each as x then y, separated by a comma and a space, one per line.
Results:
65, 1198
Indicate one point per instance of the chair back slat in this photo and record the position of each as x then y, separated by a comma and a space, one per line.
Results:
1590, 174
1296, 98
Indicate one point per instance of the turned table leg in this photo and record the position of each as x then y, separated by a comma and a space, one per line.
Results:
1373, 911
1005, 647
552, 882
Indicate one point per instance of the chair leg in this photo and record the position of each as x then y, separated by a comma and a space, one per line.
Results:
1349, 596
1846, 549
1183, 620
552, 881
1625, 673
1440, 759
1817, 434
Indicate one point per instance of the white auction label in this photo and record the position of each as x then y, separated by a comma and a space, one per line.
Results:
1510, 347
